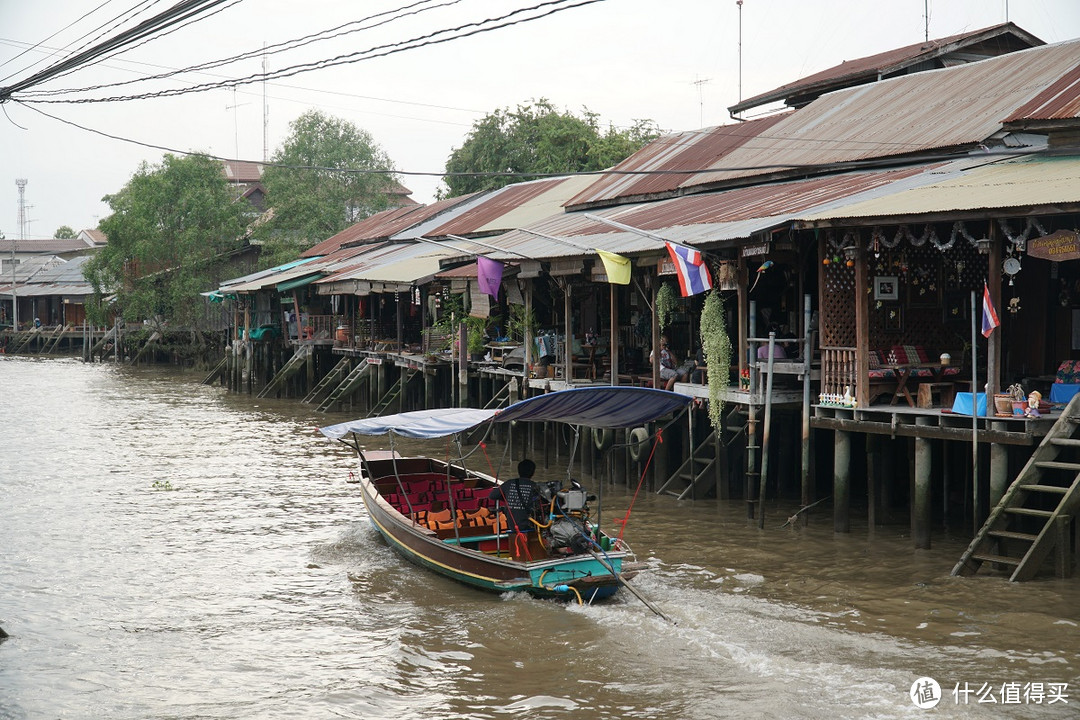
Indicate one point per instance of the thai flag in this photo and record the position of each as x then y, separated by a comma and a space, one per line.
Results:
690, 265
989, 315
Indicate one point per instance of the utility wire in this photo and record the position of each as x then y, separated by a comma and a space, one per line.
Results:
178, 13
144, 41
840, 166
115, 20
269, 50
502, 21
50, 37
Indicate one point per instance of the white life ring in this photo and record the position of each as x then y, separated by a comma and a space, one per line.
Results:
638, 441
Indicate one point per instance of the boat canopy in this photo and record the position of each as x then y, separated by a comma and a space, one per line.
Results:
614, 406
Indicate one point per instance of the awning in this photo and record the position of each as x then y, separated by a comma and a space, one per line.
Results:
613, 406
298, 282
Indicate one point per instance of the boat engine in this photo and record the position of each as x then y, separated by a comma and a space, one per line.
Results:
569, 536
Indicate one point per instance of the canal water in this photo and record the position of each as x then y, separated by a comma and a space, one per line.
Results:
169, 550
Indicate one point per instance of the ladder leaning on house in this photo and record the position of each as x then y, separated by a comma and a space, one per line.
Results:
330, 381
394, 393
287, 370
1034, 516
346, 387
697, 475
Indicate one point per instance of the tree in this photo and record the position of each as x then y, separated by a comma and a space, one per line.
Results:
537, 138
64, 232
170, 232
320, 184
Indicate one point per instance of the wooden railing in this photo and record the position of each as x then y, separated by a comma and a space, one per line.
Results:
838, 372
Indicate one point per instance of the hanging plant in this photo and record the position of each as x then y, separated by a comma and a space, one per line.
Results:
666, 302
717, 346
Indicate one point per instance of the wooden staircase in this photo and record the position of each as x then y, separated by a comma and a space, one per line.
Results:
346, 387
217, 372
697, 475
53, 341
1034, 516
502, 398
287, 370
330, 381
393, 394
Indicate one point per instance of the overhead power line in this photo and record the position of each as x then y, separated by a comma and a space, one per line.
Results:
177, 13
269, 50
545, 9
838, 166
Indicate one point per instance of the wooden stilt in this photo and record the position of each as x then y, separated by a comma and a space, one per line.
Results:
920, 500
842, 482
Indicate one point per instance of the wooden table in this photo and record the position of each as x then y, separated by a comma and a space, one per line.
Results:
903, 374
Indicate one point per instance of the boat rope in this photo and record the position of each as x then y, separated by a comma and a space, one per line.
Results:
641, 481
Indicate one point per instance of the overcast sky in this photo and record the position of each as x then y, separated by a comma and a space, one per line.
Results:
674, 61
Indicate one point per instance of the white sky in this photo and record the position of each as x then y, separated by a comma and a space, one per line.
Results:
623, 59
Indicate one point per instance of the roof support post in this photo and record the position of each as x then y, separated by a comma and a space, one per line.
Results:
862, 328
993, 344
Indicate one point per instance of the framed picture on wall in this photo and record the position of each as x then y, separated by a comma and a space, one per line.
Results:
893, 321
886, 288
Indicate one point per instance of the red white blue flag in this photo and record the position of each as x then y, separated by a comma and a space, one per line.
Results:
690, 265
989, 315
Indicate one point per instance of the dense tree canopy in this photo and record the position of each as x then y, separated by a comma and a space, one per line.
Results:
170, 232
64, 232
537, 138
314, 189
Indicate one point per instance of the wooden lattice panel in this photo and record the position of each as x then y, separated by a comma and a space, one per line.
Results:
836, 323
934, 288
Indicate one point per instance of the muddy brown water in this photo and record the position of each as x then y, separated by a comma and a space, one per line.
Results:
170, 550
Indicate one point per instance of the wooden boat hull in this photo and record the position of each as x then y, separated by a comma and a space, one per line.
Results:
458, 559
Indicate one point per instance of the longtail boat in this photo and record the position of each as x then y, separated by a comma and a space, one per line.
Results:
438, 515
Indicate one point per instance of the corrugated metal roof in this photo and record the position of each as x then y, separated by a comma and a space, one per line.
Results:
400, 264
1007, 184
1060, 101
386, 224
513, 206
70, 272
939, 109
666, 156
871, 67
246, 281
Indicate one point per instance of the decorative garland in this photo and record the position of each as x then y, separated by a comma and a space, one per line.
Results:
1019, 241
877, 240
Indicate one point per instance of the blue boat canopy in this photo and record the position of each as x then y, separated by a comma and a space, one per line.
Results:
614, 406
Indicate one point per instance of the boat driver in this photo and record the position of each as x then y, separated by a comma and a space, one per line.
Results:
520, 496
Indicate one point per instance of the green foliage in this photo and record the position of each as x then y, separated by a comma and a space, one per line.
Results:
537, 138
322, 189
64, 232
170, 230
717, 346
519, 322
666, 302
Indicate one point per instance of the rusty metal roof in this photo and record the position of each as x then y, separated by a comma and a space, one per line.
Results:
1016, 183
665, 157
242, 171
1060, 101
996, 40
941, 109
385, 224
512, 206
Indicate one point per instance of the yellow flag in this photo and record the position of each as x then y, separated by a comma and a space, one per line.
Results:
616, 266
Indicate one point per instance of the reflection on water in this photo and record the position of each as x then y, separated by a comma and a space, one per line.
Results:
174, 551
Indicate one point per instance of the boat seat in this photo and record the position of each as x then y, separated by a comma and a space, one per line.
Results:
438, 516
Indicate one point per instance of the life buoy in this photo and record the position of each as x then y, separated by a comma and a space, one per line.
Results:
603, 438
638, 440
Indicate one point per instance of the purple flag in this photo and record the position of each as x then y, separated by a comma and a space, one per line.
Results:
489, 275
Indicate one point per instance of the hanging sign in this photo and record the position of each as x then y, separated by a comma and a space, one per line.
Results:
755, 250
665, 267
1058, 246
